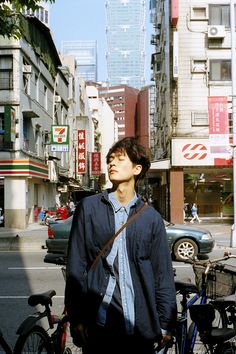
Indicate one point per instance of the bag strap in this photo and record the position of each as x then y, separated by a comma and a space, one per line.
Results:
116, 234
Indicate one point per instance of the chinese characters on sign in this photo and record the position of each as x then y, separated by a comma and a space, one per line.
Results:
220, 149
96, 163
60, 138
81, 151
218, 119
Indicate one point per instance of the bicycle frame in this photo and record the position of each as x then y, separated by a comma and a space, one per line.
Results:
186, 346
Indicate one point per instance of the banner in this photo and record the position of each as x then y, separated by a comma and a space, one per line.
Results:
218, 119
96, 163
82, 161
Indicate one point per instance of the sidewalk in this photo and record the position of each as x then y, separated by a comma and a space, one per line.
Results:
30, 239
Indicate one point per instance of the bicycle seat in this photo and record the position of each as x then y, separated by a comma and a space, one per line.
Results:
42, 298
185, 288
203, 315
225, 300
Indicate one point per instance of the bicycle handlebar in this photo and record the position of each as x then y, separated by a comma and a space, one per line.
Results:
211, 262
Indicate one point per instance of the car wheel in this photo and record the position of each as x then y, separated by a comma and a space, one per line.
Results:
184, 249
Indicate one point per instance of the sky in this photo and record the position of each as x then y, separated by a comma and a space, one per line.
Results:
86, 20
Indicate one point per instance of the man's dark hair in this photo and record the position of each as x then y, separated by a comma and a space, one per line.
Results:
136, 152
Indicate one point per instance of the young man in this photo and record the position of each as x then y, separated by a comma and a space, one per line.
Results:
125, 302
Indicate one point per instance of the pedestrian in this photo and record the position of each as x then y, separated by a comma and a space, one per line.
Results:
71, 207
120, 292
194, 214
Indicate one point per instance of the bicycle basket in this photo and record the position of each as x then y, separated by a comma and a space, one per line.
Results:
219, 282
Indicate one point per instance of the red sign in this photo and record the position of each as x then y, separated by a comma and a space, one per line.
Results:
218, 115
194, 151
96, 163
82, 161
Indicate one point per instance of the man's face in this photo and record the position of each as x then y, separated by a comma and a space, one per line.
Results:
121, 168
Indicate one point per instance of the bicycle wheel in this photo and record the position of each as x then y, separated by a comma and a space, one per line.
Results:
35, 341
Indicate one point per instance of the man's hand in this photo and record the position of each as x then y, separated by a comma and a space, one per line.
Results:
79, 334
166, 338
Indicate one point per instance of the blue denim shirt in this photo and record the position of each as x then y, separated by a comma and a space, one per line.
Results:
119, 269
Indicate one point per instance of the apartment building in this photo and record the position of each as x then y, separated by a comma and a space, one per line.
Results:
34, 97
123, 100
192, 73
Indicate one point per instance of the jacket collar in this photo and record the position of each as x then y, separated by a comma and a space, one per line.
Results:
139, 202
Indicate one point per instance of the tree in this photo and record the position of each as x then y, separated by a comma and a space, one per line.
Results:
9, 11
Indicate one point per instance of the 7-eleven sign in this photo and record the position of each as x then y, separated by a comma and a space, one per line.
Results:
60, 134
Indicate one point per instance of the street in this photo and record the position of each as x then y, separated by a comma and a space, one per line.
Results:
23, 273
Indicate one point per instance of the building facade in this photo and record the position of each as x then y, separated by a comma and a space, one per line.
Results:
125, 32
123, 100
33, 96
85, 53
192, 73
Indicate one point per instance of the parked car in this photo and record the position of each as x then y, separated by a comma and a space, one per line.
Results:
184, 241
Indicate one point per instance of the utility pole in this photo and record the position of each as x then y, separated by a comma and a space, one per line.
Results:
233, 76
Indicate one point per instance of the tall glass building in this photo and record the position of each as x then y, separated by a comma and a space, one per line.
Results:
126, 42
85, 53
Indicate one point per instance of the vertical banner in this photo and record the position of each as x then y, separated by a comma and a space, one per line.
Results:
9, 124
175, 55
218, 116
82, 151
96, 163
220, 149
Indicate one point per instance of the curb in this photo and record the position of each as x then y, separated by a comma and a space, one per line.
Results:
18, 243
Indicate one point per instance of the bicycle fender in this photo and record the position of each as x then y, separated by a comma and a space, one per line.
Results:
29, 323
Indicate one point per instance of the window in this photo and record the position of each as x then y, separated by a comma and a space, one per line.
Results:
220, 70
198, 65
199, 118
220, 15
36, 87
45, 91
46, 16
6, 72
199, 13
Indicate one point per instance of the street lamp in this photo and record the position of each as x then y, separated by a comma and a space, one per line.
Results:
233, 75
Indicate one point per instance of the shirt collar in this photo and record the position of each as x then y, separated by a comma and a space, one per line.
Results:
116, 204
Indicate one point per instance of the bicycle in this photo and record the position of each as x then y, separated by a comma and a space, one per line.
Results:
50, 337
4, 345
184, 341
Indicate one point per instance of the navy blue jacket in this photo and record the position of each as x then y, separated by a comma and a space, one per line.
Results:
150, 265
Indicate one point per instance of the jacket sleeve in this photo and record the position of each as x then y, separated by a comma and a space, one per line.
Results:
165, 293
76, 267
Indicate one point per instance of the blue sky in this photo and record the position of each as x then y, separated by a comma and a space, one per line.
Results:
86, 19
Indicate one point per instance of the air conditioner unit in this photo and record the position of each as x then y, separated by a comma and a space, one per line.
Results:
216, 31
57, 99
27, 69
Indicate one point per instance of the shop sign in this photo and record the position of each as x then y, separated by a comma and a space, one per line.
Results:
60, 138
96, 163
199, 152
82, 161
